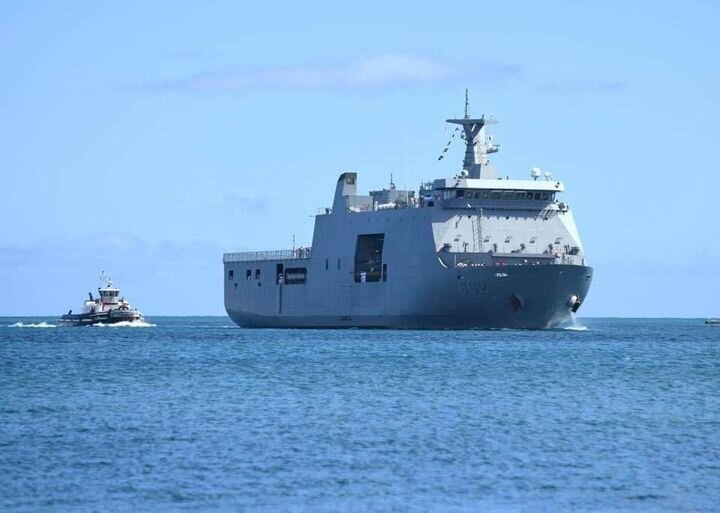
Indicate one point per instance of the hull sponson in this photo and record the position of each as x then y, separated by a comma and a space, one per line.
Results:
520, 297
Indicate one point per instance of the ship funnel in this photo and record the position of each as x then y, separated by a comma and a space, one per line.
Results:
346, 186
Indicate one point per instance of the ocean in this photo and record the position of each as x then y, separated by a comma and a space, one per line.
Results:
195, 414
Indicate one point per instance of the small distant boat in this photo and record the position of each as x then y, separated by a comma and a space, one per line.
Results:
712, 322
107, 308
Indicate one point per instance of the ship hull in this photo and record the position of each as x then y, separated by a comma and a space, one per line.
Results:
111, 317
514, 297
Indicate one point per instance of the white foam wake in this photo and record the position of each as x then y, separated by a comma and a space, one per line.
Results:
32, 325
575, 325
125, 324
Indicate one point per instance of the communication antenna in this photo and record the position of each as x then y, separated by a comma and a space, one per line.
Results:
477, 146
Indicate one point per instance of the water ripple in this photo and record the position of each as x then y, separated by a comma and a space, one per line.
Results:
192, 415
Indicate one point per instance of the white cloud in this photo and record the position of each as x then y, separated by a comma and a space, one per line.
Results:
379, 71
233, 203
581, 87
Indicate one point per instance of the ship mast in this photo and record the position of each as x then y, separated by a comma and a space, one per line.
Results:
477, 146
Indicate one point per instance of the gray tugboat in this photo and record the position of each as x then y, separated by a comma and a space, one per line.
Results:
471, 251
107, 308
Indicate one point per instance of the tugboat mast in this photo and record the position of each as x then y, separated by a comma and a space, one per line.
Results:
477, 146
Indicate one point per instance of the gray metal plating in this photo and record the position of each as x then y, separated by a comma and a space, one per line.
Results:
469, 251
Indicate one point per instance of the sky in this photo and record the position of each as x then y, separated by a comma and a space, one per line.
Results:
146, 138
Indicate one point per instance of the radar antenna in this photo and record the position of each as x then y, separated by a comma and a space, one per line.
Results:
477, 146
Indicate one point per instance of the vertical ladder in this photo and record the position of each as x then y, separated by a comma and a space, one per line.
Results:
476, 221
475, 234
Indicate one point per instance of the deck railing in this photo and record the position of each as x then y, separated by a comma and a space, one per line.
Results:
277, 254
463, 259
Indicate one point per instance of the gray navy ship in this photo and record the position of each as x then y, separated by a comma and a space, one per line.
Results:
470, 251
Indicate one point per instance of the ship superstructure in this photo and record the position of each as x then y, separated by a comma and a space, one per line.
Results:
469, 251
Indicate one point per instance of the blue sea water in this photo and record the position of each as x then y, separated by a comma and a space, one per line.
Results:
194, 414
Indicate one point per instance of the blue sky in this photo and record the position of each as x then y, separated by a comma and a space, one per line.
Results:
146, 138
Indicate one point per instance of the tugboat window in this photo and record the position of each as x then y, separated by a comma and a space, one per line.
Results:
368, 257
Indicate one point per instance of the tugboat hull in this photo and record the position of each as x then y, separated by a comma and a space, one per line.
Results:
111, 317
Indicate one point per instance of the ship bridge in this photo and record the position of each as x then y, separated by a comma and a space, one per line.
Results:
108, 293
498, 184
483, 189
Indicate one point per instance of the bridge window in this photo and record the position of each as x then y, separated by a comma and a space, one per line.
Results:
248, 274
231, 274
257, 274
368, 257
507, 195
